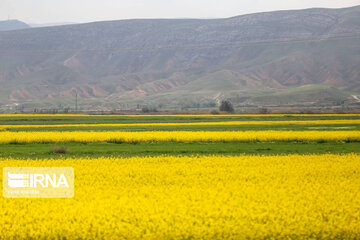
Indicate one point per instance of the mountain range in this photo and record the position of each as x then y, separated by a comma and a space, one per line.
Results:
284, 58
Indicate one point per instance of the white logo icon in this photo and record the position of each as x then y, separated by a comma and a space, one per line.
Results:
18, 180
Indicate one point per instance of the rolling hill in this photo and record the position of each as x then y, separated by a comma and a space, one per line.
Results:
12, 25
303, 57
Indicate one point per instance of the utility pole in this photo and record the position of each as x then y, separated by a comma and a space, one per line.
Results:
76, 101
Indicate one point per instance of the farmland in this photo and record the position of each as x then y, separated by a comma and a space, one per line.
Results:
188, 176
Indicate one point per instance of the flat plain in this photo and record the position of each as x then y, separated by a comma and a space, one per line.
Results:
188, 176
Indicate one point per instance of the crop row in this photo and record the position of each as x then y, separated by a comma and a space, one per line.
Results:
178, 136
229, 123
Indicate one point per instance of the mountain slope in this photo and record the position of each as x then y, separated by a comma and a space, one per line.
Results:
184, 62
12, 25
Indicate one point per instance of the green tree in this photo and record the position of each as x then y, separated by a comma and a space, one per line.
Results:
226, 106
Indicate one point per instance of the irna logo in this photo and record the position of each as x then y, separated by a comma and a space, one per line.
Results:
35, 180
38, 182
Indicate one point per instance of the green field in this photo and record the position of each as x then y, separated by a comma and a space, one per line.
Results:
172, 148
22, 120
98, 149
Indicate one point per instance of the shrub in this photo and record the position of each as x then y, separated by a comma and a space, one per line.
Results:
59, 150
263, 111
147, 109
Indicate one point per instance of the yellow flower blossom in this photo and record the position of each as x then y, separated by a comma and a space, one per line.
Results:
178, 136
208, 197
228, 123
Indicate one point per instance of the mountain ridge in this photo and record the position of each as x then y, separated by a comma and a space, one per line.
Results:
183, 62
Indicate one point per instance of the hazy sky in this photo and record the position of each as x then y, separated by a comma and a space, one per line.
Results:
45, 11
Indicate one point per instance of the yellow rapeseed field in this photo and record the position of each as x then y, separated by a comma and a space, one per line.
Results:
178, 136
228, 123
208, 197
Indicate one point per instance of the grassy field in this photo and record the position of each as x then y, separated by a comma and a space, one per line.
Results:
39, 150
189, 180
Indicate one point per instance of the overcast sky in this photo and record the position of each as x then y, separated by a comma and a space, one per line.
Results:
47, 11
